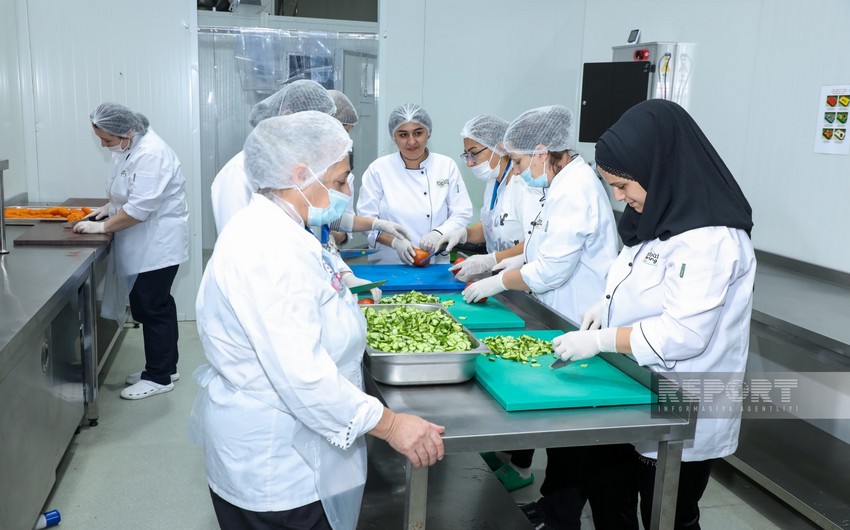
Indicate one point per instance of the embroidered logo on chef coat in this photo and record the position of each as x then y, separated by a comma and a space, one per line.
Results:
442, 183
651, 258
336, 278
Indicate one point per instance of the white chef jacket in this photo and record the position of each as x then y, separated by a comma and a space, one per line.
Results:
689, 301
230, 191
433, 197
146, 181
286, 339
572, 243
508, 211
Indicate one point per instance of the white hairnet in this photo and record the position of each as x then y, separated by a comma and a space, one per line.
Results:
345, 111
546, 126
487, 130
409, 112
277, 144
118, 120
297, 96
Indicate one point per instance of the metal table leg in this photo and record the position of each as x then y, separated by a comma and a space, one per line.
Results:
666, 486
416, 497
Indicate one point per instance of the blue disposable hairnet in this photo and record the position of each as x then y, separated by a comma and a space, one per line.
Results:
277, 144
118, 120
297, 96
487, 130
409, 112
345, 111
544, 126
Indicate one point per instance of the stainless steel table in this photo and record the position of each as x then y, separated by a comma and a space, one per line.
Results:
475, 422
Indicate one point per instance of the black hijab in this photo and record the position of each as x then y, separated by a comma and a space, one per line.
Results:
659, 145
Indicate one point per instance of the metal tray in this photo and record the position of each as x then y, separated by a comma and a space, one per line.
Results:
29, 221
427, 368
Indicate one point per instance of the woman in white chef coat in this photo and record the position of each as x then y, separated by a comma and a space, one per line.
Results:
573, 240
148, 215
509, 206
282, 410
679, 296
421, 190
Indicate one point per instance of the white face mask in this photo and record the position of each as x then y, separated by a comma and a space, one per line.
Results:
484, 172
117, 148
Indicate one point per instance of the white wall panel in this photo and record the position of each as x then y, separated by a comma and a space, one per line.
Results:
140, 55
11, 111
757, 73
460, 59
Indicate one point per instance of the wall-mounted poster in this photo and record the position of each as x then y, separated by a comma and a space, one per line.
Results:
831, 130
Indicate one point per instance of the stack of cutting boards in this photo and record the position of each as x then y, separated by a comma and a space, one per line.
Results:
588, 383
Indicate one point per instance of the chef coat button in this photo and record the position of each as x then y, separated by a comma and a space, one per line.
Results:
630, 264
608, 296
424, 193
529, 232
427, 215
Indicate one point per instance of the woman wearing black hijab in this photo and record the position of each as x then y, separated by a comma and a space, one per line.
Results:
679, 295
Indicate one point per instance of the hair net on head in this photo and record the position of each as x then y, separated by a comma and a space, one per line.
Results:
297, 96
345, 111
487, 130
118, 120
407, 113
277, 144
546, 126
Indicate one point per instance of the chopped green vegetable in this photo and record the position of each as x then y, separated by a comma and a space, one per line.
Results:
413, 297
412, 330
523, 349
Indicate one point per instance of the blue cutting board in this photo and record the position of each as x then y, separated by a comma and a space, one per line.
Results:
589, 383
435, 277
492, 314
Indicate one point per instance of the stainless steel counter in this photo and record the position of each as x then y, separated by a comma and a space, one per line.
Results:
799, 325
46, 343
475, 422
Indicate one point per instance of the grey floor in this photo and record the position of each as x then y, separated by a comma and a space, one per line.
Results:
138, 470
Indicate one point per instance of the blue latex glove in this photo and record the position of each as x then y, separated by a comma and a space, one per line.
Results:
484, 288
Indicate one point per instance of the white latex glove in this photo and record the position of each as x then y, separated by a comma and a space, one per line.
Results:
89, 227
483, 289
391, 228
350, 280
404, 249
431, 241
452, 238
592, 318
579, 345
99, 213
474, 265
507, 264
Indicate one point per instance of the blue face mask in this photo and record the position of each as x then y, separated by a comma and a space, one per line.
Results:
327, 215
535, 182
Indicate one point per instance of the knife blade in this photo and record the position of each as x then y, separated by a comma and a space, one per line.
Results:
366, 286
560, 363
442, 248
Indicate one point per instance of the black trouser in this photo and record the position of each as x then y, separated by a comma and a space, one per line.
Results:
604, 475
153, 306
308, 517
693, 478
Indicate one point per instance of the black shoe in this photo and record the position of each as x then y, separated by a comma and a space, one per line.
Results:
532, 513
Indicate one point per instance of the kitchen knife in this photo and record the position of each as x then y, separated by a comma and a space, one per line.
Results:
442, 248
366, 286
560, 363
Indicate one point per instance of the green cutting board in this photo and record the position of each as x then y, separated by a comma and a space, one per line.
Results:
492, 314
589, 383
